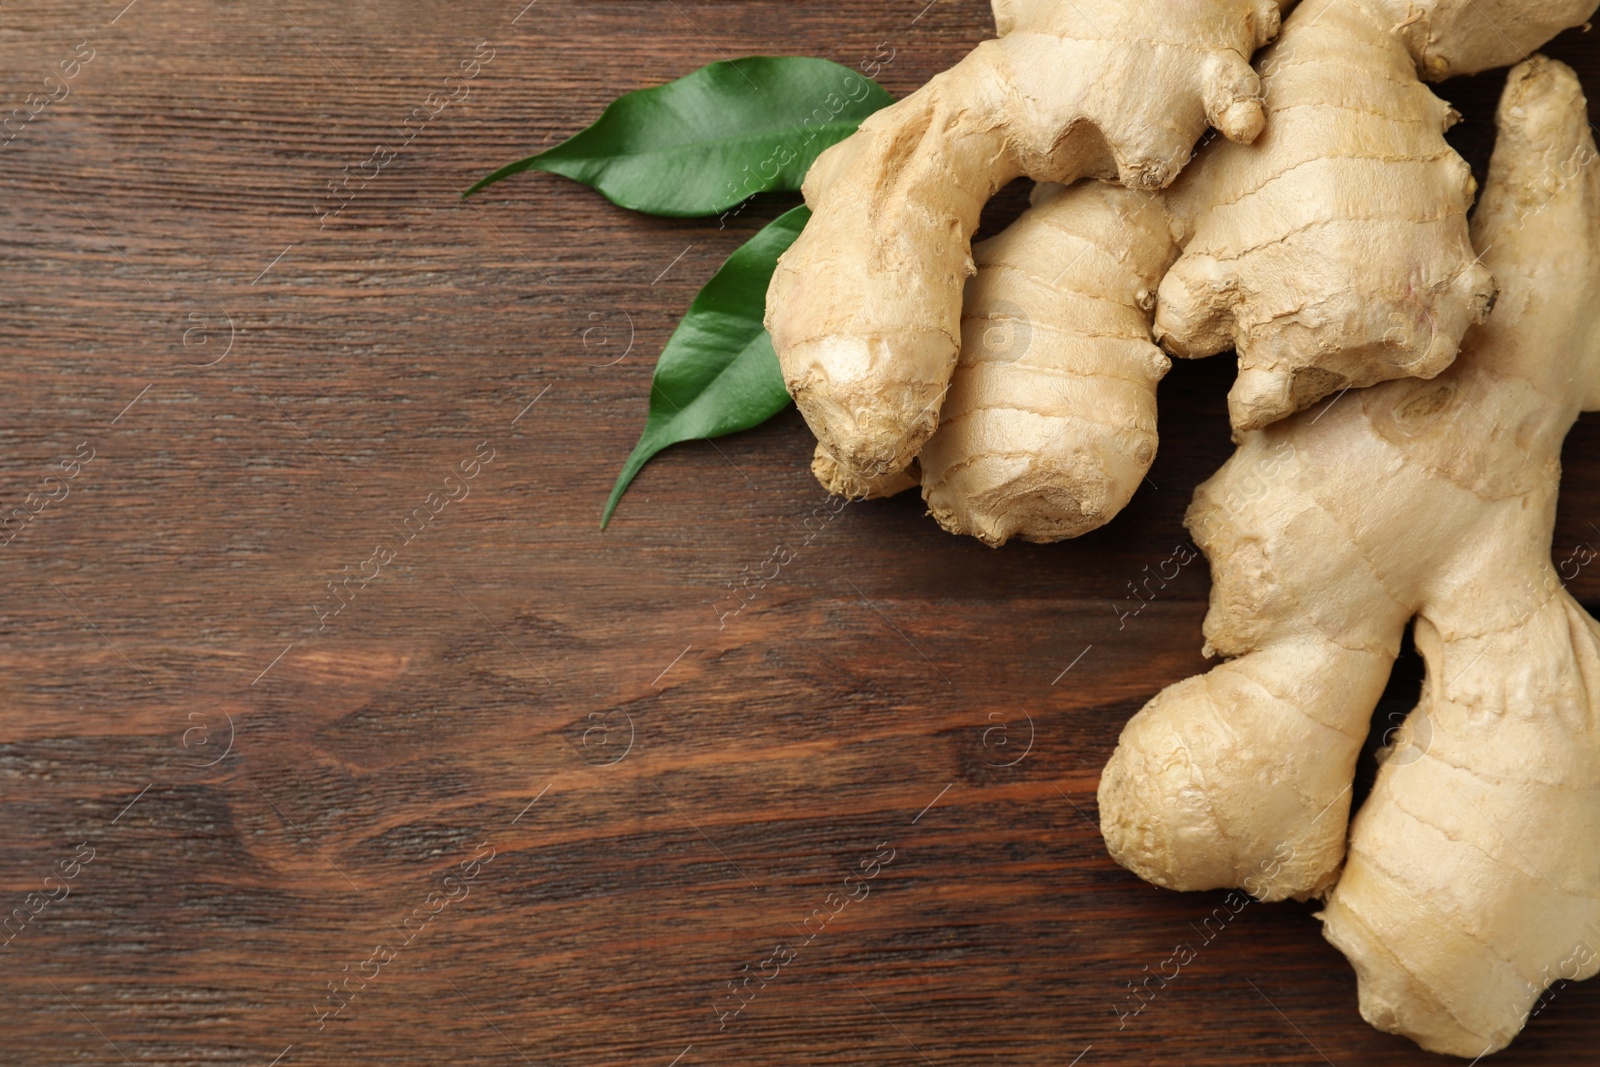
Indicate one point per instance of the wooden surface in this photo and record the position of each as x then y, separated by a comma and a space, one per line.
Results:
267, 798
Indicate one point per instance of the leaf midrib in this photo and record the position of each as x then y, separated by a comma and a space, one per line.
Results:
681, 146
683, 411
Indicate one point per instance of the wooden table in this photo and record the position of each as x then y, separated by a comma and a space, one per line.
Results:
522, 799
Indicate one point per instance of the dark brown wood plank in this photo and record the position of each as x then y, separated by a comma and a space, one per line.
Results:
269, 798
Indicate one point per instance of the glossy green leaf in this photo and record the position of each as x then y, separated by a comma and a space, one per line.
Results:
703, 143
718, 373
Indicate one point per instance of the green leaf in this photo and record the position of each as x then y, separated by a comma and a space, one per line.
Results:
703, 143
718, 373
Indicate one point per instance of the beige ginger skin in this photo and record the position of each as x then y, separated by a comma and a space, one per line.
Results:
1333, 251
1469, 882
865, 308
1050, 422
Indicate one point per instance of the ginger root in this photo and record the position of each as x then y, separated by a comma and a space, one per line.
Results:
1333, 252
1470, 882
1281, 241
1450, 37
865, 308
841, 481
1050, 424
1277, 241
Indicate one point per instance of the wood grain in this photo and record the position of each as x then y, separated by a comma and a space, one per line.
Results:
269, 798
